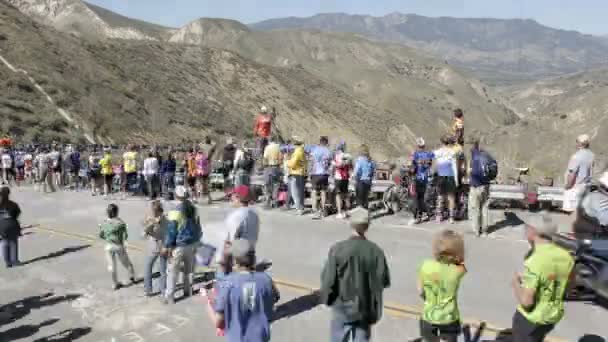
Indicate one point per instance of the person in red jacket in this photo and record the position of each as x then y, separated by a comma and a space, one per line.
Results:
262, 129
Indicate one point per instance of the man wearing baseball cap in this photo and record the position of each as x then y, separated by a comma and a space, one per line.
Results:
242, 223
183, 235
579, 173
244, 304
422, 160
353, 281
592, 213
540, 289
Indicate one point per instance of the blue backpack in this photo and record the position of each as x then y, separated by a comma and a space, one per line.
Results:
488, 165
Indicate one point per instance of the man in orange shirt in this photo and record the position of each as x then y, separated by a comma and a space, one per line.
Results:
262, 129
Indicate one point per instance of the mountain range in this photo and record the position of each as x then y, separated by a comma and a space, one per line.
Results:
357, 78
496, 50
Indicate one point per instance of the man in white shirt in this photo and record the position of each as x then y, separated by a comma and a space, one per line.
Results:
151, 174
7, 166
579, 173
242, 223
445, 167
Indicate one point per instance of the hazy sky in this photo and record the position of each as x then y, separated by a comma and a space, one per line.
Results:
587, 16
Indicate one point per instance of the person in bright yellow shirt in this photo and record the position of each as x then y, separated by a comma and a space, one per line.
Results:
129, 159
541, 288
438, 283
297, 174
106, 171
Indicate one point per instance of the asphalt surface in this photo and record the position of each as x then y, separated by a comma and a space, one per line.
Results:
64, 291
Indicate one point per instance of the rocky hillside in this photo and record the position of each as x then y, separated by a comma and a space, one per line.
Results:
496, 50
390, 77
562, 108
122, 91
92, 22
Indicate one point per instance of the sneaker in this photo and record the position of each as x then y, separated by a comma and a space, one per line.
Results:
341, 216
452, 220
317, 216
116, 287
301, 212
133, 280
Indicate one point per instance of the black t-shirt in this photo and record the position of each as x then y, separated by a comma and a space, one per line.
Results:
9, 220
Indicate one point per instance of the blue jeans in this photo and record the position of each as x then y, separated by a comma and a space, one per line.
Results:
148, 267
10, 251
297, 190
343, 331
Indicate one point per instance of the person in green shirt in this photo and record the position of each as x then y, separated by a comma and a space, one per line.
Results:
438, 283
113, 231
353, 282
541, 288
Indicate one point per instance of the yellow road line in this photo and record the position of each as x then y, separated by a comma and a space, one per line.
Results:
394, 309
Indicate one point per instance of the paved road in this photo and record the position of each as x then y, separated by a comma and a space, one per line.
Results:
297, 246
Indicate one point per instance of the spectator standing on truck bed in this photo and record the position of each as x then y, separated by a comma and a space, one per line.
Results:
458, 126
262, 130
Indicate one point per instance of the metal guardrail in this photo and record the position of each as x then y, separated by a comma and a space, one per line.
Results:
378, 186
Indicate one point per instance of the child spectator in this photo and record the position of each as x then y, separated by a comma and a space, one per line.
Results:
114, 232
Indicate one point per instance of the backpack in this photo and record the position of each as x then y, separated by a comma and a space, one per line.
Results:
489, 166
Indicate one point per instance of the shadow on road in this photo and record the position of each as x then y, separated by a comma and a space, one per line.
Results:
25, 331
296, 306
19, 309
66, 335
57, 254
511, 220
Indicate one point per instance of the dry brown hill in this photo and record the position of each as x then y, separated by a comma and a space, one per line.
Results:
390, 77
122, 91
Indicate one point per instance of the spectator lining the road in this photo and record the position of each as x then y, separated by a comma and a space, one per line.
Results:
114, 232
151, 174
297, 174
319, 177
422, 160
479, 191
540, 290
130, 167
244, 303
438, 283
183, 235
364, 172
271, 162
445, 167
10, 229
155, 230
342, 164
353, 281
579, 174
203, 167
242, 223
106, 171
592, 214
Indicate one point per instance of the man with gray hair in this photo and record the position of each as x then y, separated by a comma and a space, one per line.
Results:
353, 281
579, 173
540, 289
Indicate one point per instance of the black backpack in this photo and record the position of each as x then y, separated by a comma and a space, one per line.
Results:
489, 166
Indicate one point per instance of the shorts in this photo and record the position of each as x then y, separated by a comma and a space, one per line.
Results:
526, 331
447, 332
57, 169
108, 180
341, 186
191, 181
74, 171
446, 185
319, 182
